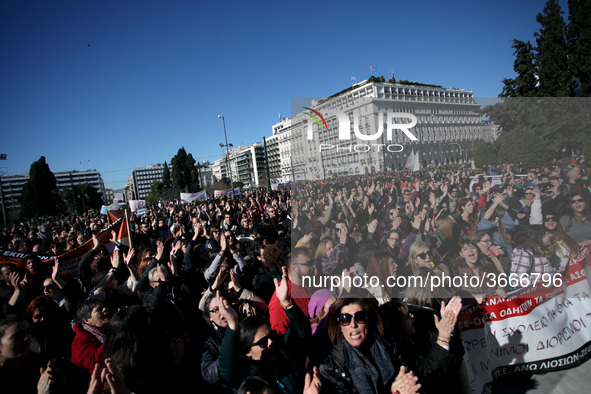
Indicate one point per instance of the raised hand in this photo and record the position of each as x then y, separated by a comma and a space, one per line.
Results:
220, 278
371, 226
46, 379
129, 257
449, 317
223, 242
282, 289
405, 383
114, 379
227, 312
55, 270
113, 239
159, 250
313, 384
115, 258
172, 267
234, 283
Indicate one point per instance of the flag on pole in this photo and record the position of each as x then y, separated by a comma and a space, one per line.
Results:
353, 79
372, 69
416, 164
410, 160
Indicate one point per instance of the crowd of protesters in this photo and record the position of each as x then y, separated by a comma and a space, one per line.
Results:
212, 295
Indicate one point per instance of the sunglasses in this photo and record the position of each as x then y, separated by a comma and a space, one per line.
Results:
577, 200
263, 343
529, 194
48, 287
346, 318
425, 254
549, 219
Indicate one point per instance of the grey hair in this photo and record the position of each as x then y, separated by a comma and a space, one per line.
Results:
151, 274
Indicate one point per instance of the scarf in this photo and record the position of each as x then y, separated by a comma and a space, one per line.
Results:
95, 331
368, 376
546, 251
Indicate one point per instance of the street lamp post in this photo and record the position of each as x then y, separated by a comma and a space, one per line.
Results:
3, 157
227, 152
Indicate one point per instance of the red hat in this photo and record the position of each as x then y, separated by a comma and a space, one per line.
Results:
573, 160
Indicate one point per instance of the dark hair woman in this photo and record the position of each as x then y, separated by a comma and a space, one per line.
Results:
280, 361
428, 341
359, 359
469, 264
139, 355
529, 252
467, 218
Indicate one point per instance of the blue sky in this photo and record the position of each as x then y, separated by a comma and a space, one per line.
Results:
157, 74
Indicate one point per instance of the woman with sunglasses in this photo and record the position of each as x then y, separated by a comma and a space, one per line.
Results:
251, 348
562, 246
391, 243
577, 221
422, 255
359, 360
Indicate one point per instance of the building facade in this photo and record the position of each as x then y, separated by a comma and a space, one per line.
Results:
244, 164
12, 186
140, 182
448, 129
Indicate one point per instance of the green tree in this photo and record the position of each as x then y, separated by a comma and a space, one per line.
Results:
87, 197
185, 176
552, 56
192, 174
166, 177
579, 38
486, 153
40, 194
156, 191
179, 170
523, 145
524, 65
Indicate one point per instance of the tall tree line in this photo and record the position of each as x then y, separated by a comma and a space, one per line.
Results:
546, 111
184, 178
559, 64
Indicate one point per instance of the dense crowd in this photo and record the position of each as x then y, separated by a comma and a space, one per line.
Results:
223, 295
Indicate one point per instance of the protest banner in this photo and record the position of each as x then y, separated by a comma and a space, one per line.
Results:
134, 205
223, 192
543, 329
70, 259
187, 198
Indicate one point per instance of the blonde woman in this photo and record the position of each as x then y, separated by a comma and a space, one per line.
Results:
421, 255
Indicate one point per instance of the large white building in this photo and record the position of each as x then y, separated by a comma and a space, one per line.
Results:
244, 164
448, 129
12, 186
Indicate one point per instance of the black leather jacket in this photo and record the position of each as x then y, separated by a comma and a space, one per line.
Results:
335, 374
